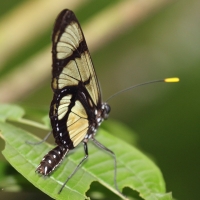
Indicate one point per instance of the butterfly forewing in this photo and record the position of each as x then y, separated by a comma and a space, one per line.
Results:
71, 59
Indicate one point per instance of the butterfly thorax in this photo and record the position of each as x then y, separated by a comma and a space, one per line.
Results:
100, 115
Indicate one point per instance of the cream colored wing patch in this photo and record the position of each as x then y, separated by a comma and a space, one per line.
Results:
77, 123
69, 41
69, 75
86, 70
63, 106
79, 109
78, 130
93, 88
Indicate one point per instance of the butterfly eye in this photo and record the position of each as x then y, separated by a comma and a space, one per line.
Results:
106, 111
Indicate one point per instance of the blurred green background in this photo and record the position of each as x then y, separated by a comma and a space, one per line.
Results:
151, 39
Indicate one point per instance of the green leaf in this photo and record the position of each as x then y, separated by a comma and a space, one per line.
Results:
10, 112
15, 113
135, 170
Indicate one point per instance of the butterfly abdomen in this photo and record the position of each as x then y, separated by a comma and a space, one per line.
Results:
51, 160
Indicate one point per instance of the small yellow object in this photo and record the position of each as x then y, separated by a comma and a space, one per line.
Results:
168, 80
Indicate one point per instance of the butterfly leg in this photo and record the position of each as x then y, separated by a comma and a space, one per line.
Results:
77, 167
40, 142
98, 144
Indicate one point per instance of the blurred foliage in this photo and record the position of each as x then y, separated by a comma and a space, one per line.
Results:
165, 43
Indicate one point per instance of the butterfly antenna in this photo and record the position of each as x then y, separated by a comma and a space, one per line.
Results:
166, 80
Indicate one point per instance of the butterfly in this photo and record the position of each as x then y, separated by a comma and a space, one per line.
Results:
77, 109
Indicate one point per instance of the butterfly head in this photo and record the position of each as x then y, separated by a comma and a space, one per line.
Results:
105, 110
